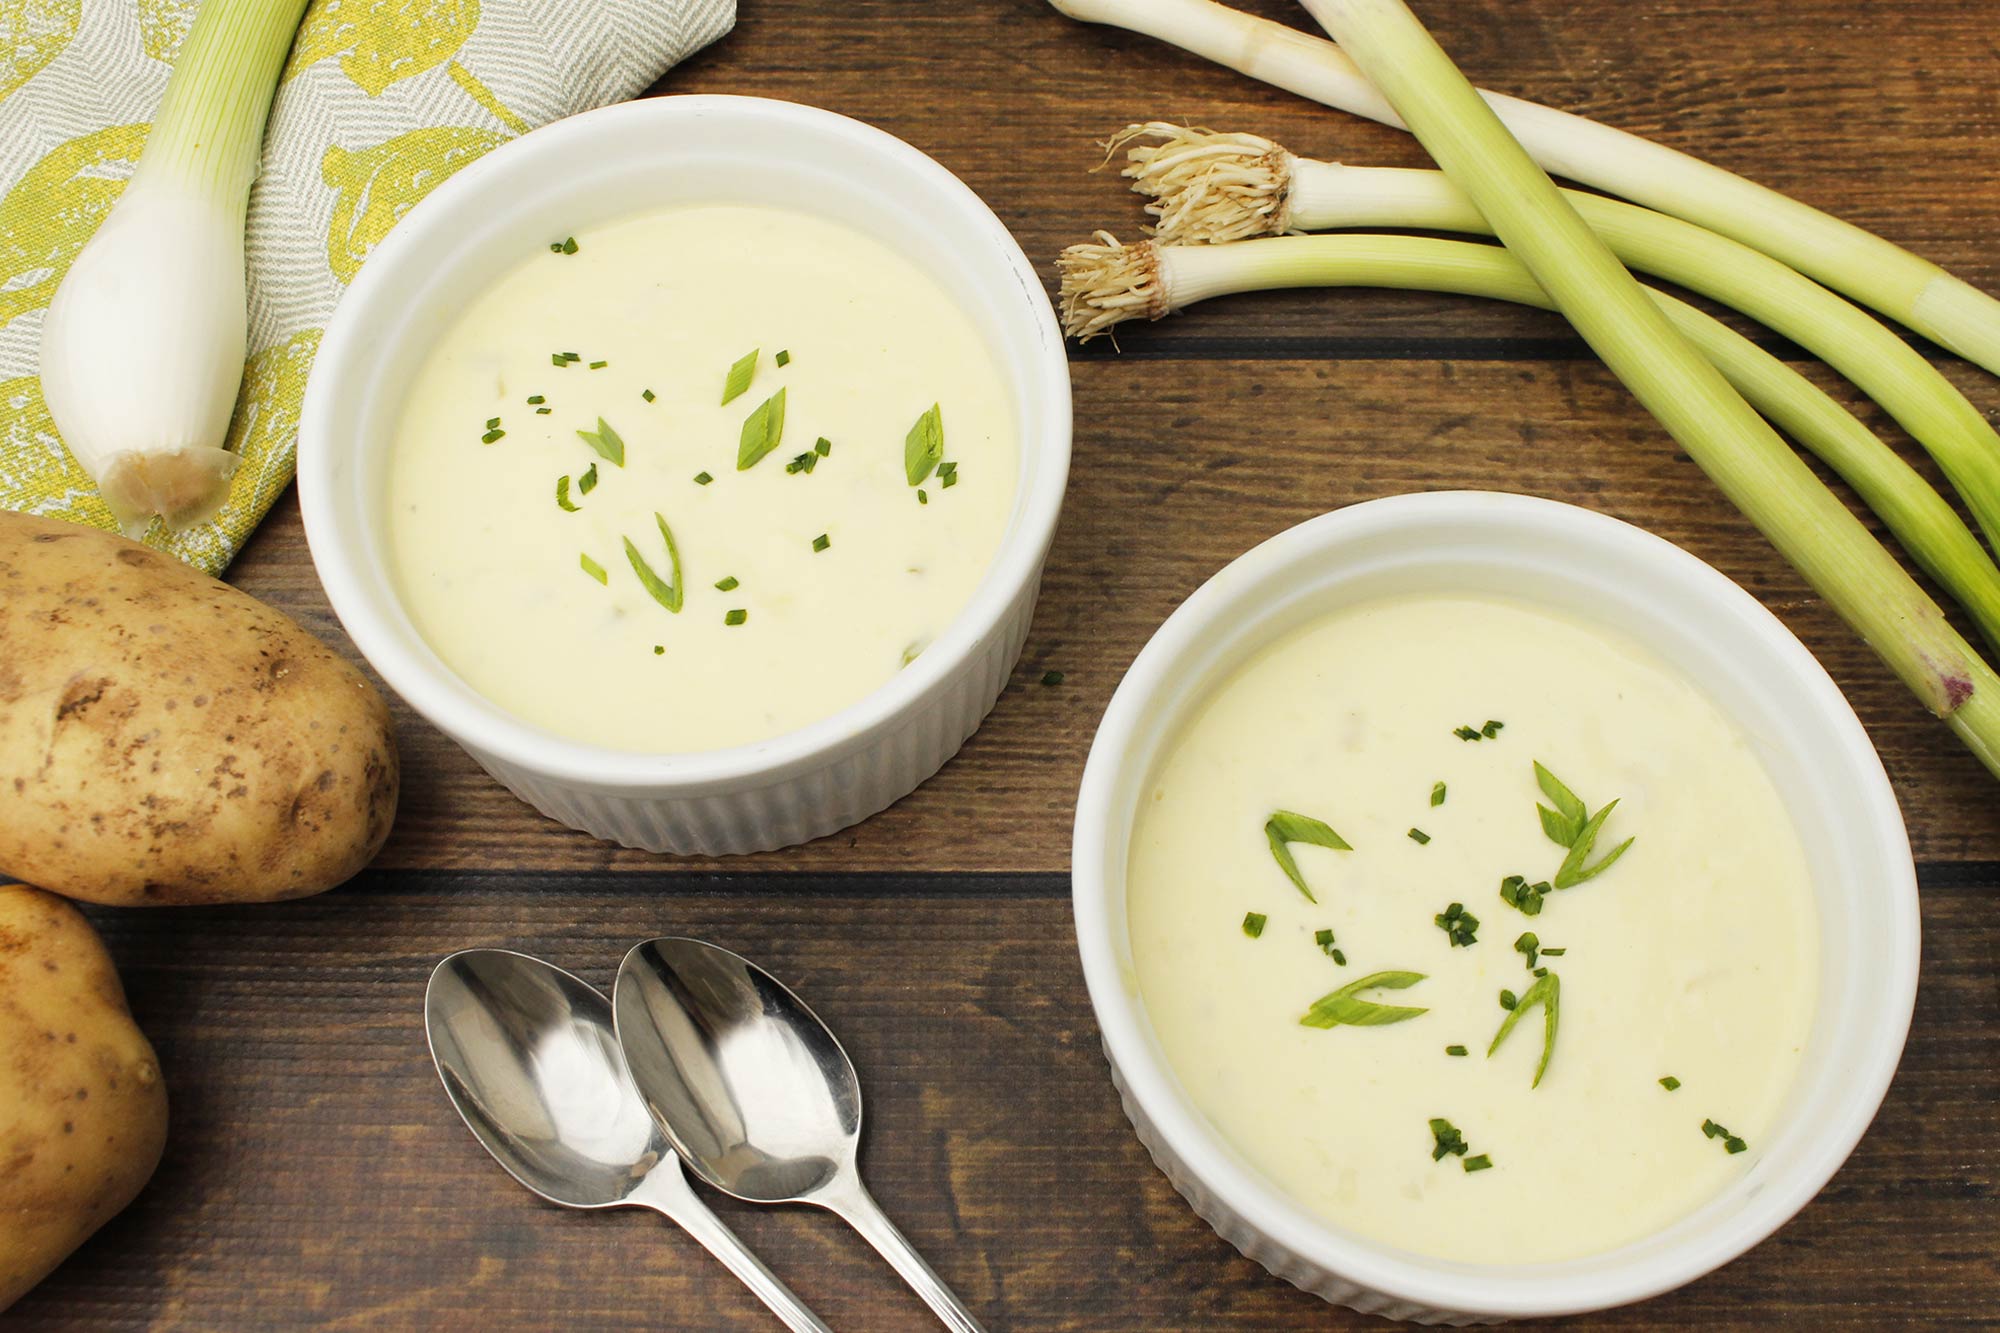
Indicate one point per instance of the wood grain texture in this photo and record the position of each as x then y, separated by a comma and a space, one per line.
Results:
316, 1174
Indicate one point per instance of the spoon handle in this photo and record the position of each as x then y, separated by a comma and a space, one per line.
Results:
853, 1202
668, 1194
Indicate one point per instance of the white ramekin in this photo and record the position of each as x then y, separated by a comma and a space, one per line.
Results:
594, 168
1714, 633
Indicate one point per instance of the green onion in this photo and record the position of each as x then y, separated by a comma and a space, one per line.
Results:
1466, 733
1529, 946
562, 494
1106, 283
762, 430
947, 474
1283, 828
142, 348
922, 499
659, 650
1324, 939
739, 377
923, 447
588, 481
605, 442
1343, 1008
1547, 992
592, 568
1253, 923
666, 594
1908, 289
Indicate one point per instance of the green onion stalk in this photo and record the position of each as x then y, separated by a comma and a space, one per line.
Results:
1208, 187
1900, 285
1105, 283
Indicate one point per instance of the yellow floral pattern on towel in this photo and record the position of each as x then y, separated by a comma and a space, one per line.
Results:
380, 101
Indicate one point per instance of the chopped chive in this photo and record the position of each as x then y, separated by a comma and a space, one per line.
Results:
605, 441
820, 543
495, 433
783, 358
702, 478
543, 411
587, 483
947, 475
762, 430
1524, 897
804, 462
1508, 1000
1528, 946
1459, 925
1253, 924
1437, 793
555, 247
556, 360
646, 394
727, 583
1345, 1007
492, 422
666, 594
822, 446
1052, 678
736, 617
1324, 939
1491, 729
562, 495
568, 246
1454, 1050
1670, 1083
592, 568
1419, 837
922, 499
1446, 1140
659, 650
1730, 1142
1479, 1163
1547, 992
1554, 953
1466, 733
599, 365
536, 400
572, 356
739, 376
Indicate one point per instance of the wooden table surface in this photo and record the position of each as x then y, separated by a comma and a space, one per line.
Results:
316, 1174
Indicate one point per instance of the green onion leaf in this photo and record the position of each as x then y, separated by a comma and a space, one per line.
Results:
587, 483
1547, 992
1253, 924
1573, 871
562, 494
1437, 793
667, 595
1343, 1008
1466, 733
592, 568
606, 442
762, 430
923, 447
1491, 729
1566, 821
1285, 827
739, 377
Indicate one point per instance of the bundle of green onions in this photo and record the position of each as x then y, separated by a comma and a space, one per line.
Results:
1563, 251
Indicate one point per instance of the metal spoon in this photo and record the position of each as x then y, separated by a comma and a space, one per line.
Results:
754, 1092
529, 1058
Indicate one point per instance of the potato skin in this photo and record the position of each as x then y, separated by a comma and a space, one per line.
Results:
83, 1111
167, 739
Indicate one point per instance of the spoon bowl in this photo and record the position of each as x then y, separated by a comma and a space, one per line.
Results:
529, 1057
754, 1093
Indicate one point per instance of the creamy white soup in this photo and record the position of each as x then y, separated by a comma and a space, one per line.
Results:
698, 478
1664, 990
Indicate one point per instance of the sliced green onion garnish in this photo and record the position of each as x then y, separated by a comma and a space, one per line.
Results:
592, 568
739, 377
605, 441
1285, 827
762, 430
923, 447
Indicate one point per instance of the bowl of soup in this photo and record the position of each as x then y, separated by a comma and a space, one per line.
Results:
692, 463
1490, 910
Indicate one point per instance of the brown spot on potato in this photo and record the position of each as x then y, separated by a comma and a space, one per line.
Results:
79, 695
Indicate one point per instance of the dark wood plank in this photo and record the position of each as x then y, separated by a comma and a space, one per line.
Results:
1181, 466
317, 1175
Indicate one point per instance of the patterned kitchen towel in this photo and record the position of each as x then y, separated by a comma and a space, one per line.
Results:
380, 101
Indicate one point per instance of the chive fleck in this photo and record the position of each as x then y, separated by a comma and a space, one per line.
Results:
783, 358
599, 365
822, 446
1324, 939
1461, 926
492, 434
702, 478
1524, 897
1554, 953
556, 360
659, 650
543, 411
922, 499
1466, 733
562, 495
1253, 924
492, 422
947, 475
647, 394
536, 400
1491, 729
1454, 1050
804, 462
592, 568
1670, 1083
820, 543
1052, 678
1508, 999
1446, 1140
736, 617
1419, 837
567, 246
1479, 1163
1730, 1142
1437, 793
1528, 946
587, 483
727, 583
